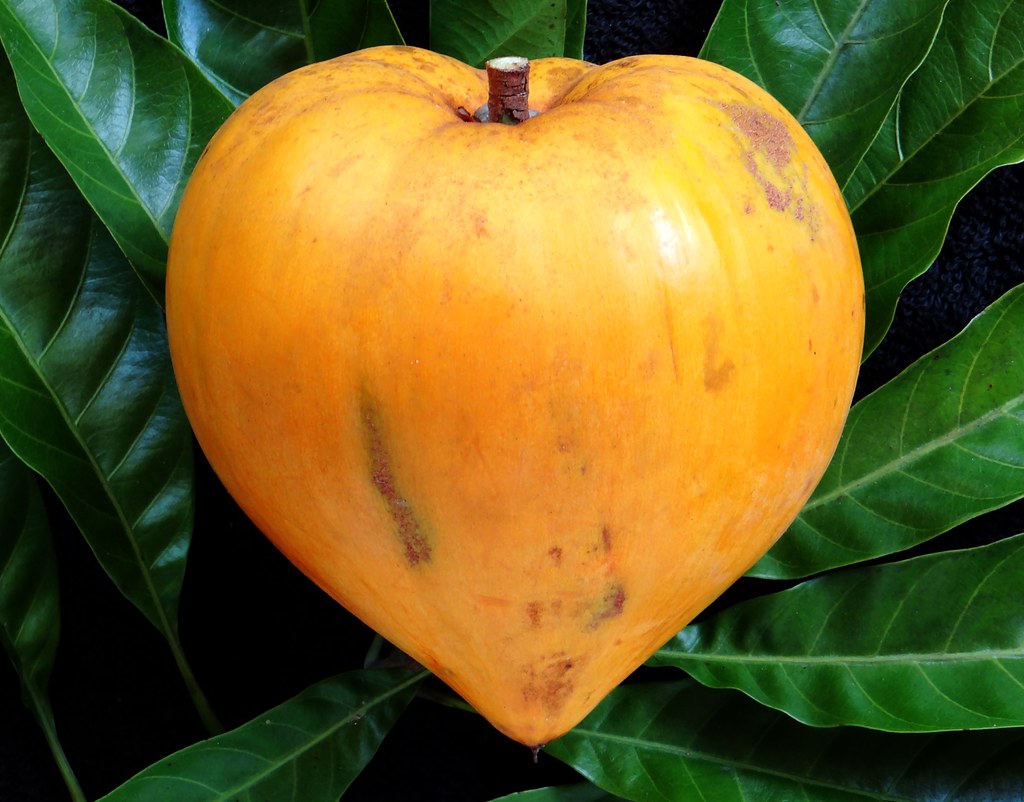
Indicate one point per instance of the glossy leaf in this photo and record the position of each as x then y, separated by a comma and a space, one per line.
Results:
341, 26
837, 66
578, 792
675, 741
126, 113
960, 116
308, 749
575, 28
15, 137
474, 31
941, 443
29, 614
87, 396
29, 594
933, 643
29, 598
241, 45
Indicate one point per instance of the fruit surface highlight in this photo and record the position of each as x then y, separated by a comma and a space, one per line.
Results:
524, 398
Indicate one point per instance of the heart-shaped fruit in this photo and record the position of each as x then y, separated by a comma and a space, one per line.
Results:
524, 398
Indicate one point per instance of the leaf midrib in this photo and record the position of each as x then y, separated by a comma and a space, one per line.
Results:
920, 452
58, 80
902, 658
839, 43
517, 29
640, 745
905, 157
231, 12
289, 757
163, 621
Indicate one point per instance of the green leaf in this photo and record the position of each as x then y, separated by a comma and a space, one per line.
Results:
474, 31
676, 741
575, 28
242, 45
960, 116
29, 595
929, 644
836, 66
341, 26
578, 792
941, 443
308, 749
15, 135
126, 113
29, 606
87, 395
29, 599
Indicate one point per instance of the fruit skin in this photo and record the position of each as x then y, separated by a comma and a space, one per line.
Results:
525, 399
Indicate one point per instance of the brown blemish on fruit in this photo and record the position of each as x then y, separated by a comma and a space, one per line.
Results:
534, 612
767, 133
798, 209
410, 533
603, 543
717, 369
555, 553
777, 199
552, 683
609, 606
768, 137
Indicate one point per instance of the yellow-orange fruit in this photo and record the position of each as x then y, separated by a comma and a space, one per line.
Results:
527, 398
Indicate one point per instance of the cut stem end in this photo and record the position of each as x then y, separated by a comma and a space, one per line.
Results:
508, 89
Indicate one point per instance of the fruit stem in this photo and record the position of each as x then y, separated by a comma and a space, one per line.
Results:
508, 89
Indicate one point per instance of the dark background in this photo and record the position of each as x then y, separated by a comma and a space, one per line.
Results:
257, 632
